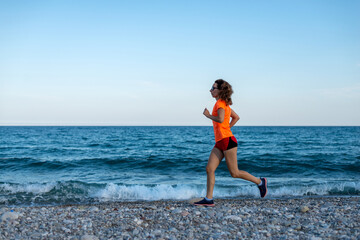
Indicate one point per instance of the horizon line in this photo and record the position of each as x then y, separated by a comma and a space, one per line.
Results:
40, 125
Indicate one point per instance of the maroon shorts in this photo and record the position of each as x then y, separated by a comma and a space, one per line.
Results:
226, 143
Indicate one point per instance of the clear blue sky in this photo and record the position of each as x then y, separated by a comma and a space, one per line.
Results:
153, 62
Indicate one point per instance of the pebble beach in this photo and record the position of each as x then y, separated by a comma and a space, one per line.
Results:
303, 218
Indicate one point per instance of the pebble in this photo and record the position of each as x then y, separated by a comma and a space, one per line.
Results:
191, 201
173, 230
211, 214
185, 213
135, 232
176, 211
89, 237
157, 233
304, 209
315, 238
94, 209
151, 207
204, 227
216, 225
229, 219
138, 221
9, 216
234, 218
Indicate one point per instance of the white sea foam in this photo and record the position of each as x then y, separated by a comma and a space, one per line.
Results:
34, 188
66, 192
178, 192
142, 192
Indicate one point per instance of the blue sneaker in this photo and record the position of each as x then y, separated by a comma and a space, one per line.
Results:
263, 187
205, 202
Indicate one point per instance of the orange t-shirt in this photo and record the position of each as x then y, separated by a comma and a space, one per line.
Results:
222, 130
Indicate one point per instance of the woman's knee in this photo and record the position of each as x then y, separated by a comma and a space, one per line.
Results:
210, 170
235, 174
238, 174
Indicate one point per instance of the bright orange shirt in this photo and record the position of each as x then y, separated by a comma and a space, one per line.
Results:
222, 130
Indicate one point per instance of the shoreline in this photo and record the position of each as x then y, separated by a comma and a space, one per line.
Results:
296, 218
244, 198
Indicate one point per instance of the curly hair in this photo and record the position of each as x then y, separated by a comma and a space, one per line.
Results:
225, 91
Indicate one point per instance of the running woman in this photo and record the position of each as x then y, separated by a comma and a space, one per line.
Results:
226, 143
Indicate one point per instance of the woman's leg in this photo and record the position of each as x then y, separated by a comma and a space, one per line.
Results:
232, 164
214, 160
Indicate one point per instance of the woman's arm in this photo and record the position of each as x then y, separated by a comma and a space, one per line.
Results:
219, 118
234, 118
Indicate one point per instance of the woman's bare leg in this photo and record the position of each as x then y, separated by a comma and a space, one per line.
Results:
232, 164
214, 160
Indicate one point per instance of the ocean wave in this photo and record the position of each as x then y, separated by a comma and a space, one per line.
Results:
75, 192
114, 192
44, 193
317, 189
32, 163
35, 188
128, 163
102, 145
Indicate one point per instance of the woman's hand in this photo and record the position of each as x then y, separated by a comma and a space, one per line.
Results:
234, 118
219, 118
206, 112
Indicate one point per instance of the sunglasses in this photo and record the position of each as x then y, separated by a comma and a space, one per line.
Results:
213, 88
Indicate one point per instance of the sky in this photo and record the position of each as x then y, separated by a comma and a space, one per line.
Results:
290, 63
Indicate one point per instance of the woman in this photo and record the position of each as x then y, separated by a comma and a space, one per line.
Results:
226, 144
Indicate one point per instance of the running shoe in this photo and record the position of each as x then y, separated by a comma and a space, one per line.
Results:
263, 187
205, 202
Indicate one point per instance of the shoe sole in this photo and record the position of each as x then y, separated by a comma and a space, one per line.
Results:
265, 188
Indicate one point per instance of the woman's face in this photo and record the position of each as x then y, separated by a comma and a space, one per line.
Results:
214, 90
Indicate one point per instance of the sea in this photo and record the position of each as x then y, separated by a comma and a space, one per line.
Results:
59, 165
